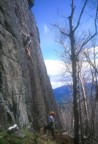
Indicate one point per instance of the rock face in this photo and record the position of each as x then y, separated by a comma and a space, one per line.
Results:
25, 90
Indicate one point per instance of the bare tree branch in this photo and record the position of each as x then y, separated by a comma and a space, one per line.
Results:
90, 62
62, 43
81, 15
61, 30
90, 37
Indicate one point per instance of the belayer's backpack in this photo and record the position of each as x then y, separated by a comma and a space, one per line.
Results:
50, 120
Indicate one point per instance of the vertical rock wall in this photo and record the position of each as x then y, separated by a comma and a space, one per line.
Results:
25, 90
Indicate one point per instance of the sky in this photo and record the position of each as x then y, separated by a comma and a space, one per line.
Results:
47, 13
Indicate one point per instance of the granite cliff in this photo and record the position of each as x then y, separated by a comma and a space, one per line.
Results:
25, 91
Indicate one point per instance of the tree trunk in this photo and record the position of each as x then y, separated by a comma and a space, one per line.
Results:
74, 76
85, 107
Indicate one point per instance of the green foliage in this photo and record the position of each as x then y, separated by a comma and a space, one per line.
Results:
30, 138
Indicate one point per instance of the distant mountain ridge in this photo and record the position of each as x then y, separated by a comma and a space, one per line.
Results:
63, 93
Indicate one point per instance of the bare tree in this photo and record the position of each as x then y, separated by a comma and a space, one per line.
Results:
93, 103
73, 52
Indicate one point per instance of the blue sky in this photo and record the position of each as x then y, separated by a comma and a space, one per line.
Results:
46, 13
51, 12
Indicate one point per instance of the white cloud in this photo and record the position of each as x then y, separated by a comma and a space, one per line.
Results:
54, 70
57, 84
46, 29
54, 67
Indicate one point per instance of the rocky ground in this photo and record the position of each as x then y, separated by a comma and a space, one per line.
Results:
64, 139
61, 139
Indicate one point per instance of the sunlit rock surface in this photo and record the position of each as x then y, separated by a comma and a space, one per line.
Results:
25, 90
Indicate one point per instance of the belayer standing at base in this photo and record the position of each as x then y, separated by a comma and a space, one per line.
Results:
50, 124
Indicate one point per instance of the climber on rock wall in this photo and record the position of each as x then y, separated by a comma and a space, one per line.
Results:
27, 45
27, 42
